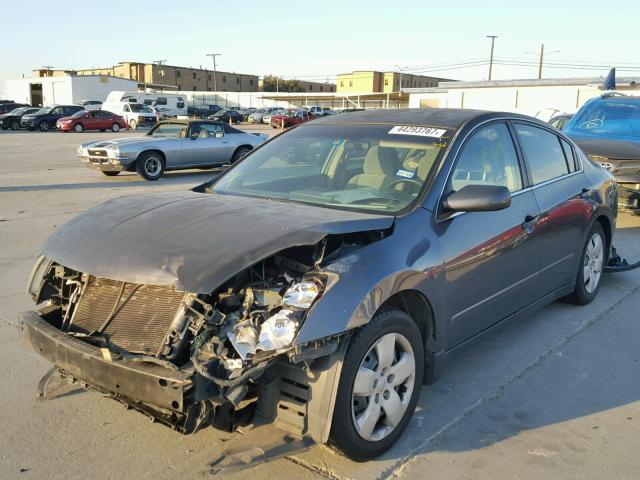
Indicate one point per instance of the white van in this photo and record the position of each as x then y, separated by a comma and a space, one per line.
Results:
167, 104
135, 114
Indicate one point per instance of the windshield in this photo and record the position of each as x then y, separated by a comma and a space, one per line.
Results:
43, 111
79, 113
374, 168
609, 117
136, 107
17, 111
169, 130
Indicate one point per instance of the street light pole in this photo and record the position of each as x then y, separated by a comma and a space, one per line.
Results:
493, 39
214, 55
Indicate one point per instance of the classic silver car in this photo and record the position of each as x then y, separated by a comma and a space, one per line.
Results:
171, 145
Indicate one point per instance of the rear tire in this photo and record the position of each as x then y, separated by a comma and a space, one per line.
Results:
78, 128
44, 126
110, 174
150, 166
239, 153
379, 385
592, 261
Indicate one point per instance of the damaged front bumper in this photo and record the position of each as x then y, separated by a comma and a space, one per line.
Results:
157, 386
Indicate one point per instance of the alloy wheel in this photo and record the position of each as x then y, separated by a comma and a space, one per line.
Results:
593, 259
383, 387
152, 166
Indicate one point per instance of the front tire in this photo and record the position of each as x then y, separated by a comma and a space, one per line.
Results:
592, 262
133, 124
78, 128
115, 127
379, 385
150, 166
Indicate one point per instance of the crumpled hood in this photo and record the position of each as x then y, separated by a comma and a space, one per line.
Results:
615, 148
193, 241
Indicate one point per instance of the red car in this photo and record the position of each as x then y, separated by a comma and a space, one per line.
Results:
286, 121
93, 120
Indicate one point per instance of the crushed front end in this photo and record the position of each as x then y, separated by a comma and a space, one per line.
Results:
226, 358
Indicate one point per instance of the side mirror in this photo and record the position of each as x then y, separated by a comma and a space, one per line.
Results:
478, 198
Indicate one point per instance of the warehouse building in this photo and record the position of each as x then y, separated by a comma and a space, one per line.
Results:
371, 81
167, 77
64, 89
537, 97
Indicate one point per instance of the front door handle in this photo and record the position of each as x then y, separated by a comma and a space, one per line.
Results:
530, 222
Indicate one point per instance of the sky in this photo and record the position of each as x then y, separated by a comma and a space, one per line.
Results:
317, 39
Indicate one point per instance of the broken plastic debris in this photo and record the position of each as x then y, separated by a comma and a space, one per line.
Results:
278, 331
244, 338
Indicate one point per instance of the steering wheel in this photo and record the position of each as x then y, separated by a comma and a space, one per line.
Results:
404, 180
595, 123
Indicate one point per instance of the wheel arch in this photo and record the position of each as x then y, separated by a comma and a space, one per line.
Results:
133, 164
415, 304
152, 150
605, 223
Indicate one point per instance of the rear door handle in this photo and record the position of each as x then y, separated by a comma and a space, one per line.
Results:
530, 222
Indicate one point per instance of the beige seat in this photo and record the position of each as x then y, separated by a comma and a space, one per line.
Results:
380, 166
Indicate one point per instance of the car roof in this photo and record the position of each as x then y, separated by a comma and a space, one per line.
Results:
451, 118
617, 98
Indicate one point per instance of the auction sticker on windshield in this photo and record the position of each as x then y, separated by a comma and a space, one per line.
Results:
417, 131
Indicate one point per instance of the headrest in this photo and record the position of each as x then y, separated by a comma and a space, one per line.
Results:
381, 161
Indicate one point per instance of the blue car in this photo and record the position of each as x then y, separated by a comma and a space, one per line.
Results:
607, 129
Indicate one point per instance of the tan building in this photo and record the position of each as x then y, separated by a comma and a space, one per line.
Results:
170, 77
371, 81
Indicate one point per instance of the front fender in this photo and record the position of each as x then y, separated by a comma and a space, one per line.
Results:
369, 276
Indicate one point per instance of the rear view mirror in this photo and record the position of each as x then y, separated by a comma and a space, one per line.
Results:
478, 198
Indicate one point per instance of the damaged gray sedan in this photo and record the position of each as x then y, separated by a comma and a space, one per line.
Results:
316, 285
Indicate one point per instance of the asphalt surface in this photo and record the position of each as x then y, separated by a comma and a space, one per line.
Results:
553, 396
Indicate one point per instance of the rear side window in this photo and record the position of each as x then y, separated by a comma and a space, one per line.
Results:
572, 162
543, 152
488, 158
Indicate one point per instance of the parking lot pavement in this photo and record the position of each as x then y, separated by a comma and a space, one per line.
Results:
552, 396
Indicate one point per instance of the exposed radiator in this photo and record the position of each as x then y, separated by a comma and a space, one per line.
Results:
141, 319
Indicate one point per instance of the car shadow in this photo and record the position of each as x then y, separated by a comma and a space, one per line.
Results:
191, 178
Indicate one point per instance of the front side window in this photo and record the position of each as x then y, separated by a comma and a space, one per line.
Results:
373, 168
544, 154
488, 157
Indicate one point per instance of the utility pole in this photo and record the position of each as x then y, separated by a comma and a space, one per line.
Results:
161, 71
541, 59
493, 40
215, 83
400, 87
